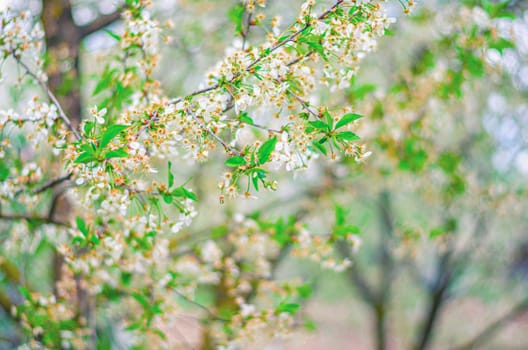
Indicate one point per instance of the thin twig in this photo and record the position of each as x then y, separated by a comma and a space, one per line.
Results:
304, 104
203, 307
24, 217
210, 132
51, 96
51, 183
291, 38
245, 32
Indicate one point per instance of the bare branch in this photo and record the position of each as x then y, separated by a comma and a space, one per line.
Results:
38, 219
203, 307
51, 96
51, 183
101, 22
245, 32
357, 279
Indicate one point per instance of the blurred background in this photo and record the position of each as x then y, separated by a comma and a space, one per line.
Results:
440, 205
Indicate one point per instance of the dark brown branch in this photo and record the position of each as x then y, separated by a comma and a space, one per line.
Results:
51, 183
245, 32
38, 219
101, 22
437, 298
355, 277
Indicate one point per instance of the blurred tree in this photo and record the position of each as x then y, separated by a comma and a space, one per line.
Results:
98, 247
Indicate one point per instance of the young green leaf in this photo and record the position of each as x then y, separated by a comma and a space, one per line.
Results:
347, 119
235, 161
304, 291
85, 157
347, 136
245, 118
183, 192
170, 180
110, 133
264, 152
319, 125
329, 119
81, 225
236, 15
320, 147
113, 35
118, 153
88, 127
167, 198
289, 308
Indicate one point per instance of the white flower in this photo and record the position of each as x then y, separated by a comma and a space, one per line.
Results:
98, 114
247, 310
211, 253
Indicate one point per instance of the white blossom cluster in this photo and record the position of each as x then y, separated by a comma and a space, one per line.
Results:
21, 38
125, 226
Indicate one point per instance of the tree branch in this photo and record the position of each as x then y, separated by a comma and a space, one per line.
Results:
203, 307
355, 277
51, 183
100, 22
38, 219
488, 332
210, 132
51, 96
291, 38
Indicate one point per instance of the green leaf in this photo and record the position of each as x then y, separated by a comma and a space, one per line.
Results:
305, 291
501, 44
344, 231
25, 292
347, 119
310, 325
170, 179
235, 161
79, 240
118, 153
314, 42
183, 192
95, 240
474, 65
329, 119
105, 80
219, 232
141, 299
113, 35
88, 127
85, 157
289, 308
236, 15
340, 215
347, 136
110, 133
167, 198
320, 147
264, 152
81, 225
245, 118
319, 125
255, 180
